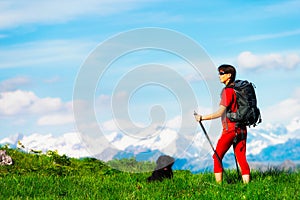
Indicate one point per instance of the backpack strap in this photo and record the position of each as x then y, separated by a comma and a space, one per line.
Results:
231, 85
226, 124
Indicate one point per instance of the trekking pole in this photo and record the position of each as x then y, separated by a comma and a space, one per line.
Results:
211, 145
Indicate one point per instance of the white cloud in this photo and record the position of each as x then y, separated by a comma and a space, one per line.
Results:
124, 125
270, 36
16, 103
16, 13
56, 119
283, 111
13, 83
294, 125
174, 123
248, 60
283, 7
53, 79
41, 53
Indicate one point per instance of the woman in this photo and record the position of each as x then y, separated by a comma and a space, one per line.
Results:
230, 132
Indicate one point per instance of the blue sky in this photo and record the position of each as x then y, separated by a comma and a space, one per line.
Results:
43, 45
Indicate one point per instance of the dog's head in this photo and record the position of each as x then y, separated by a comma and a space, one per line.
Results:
164, 161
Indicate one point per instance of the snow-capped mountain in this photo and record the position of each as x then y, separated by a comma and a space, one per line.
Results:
271, 143
271, 135
68, 144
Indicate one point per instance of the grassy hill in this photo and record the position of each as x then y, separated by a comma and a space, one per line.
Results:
51, 176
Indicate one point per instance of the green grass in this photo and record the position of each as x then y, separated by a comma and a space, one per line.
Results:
59, 177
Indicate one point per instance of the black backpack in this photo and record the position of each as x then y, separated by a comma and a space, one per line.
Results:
247, 113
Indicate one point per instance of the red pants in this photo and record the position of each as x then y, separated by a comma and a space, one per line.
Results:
225, 142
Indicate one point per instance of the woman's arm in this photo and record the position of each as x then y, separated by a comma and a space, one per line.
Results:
214, 115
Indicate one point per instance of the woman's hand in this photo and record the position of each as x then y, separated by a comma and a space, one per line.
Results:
198, 117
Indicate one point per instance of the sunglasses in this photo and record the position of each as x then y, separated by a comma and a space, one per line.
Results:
222, 73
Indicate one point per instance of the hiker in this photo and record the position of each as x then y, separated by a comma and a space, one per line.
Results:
231, 134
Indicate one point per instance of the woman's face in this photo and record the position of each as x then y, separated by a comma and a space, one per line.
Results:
224, 77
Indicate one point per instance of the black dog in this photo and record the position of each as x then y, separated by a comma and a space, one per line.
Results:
163, 169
